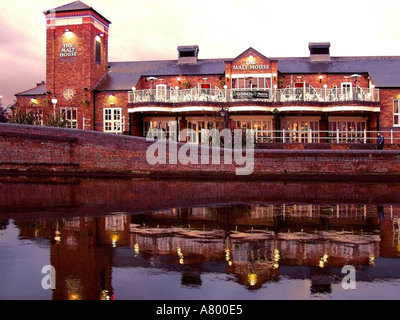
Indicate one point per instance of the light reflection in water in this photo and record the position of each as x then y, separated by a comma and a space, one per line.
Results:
252, 245
256, 244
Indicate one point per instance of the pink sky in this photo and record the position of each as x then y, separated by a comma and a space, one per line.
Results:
153, 29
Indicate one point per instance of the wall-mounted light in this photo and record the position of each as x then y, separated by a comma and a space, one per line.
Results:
68, 33
112, 99
355, 78
274, 75
320, 78
101, 34
179, 80
133, 89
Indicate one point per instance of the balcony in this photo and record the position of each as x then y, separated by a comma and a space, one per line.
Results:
306, 94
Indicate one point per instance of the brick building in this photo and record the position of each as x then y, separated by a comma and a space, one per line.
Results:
319, 98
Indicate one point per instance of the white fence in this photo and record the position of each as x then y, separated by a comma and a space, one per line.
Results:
321, 136
162, 94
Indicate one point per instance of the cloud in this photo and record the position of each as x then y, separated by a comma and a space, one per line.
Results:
153, 29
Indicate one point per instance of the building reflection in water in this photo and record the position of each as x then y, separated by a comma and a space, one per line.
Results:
252, 244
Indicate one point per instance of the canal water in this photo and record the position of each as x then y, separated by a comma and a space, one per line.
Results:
146, 239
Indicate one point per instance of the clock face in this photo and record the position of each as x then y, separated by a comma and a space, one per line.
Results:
68, 94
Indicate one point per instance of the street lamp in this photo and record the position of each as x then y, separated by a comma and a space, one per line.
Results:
226, 88
133, 94
225, 114
355, 78
54, 102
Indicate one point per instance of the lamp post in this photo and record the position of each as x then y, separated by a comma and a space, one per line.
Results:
151, 79
226, 89
54, 102
355, 78
133, 94
225, 114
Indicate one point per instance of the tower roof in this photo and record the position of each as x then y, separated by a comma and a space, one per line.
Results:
74, 6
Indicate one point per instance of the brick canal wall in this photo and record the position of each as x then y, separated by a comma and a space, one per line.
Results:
59, 151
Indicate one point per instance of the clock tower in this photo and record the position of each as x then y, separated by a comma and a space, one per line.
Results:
76, 60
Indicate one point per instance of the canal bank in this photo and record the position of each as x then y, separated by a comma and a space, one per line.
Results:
36, 150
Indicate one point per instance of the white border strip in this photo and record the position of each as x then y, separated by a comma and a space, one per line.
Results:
255, 108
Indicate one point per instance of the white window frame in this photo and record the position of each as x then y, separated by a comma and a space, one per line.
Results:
299, 135
396, 102
161, 92
347, 133
71, 122
112, 120
260, 81
38, 114
161, 123
346, 91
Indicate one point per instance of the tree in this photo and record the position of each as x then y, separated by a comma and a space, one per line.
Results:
56, 120
3, 115
23, 117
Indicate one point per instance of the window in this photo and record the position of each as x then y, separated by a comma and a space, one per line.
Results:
162, 128
396, 113
70, 115
98, 51
301, 130
262, 126
37, 115
161, 92
112, 120
347, 129
254, 82
346, 92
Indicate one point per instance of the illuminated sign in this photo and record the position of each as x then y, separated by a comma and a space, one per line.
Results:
251, 64
250, 94
68, 51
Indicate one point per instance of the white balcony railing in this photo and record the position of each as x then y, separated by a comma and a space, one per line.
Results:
308, 94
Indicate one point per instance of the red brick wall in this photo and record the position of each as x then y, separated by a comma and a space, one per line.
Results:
76, 73
387, 97
259, 59
33, 148
110, 99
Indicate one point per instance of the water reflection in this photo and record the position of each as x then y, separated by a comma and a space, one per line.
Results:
252, 243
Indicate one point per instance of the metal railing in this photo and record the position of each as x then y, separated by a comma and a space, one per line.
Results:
288, 94
324, 136
296, 136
